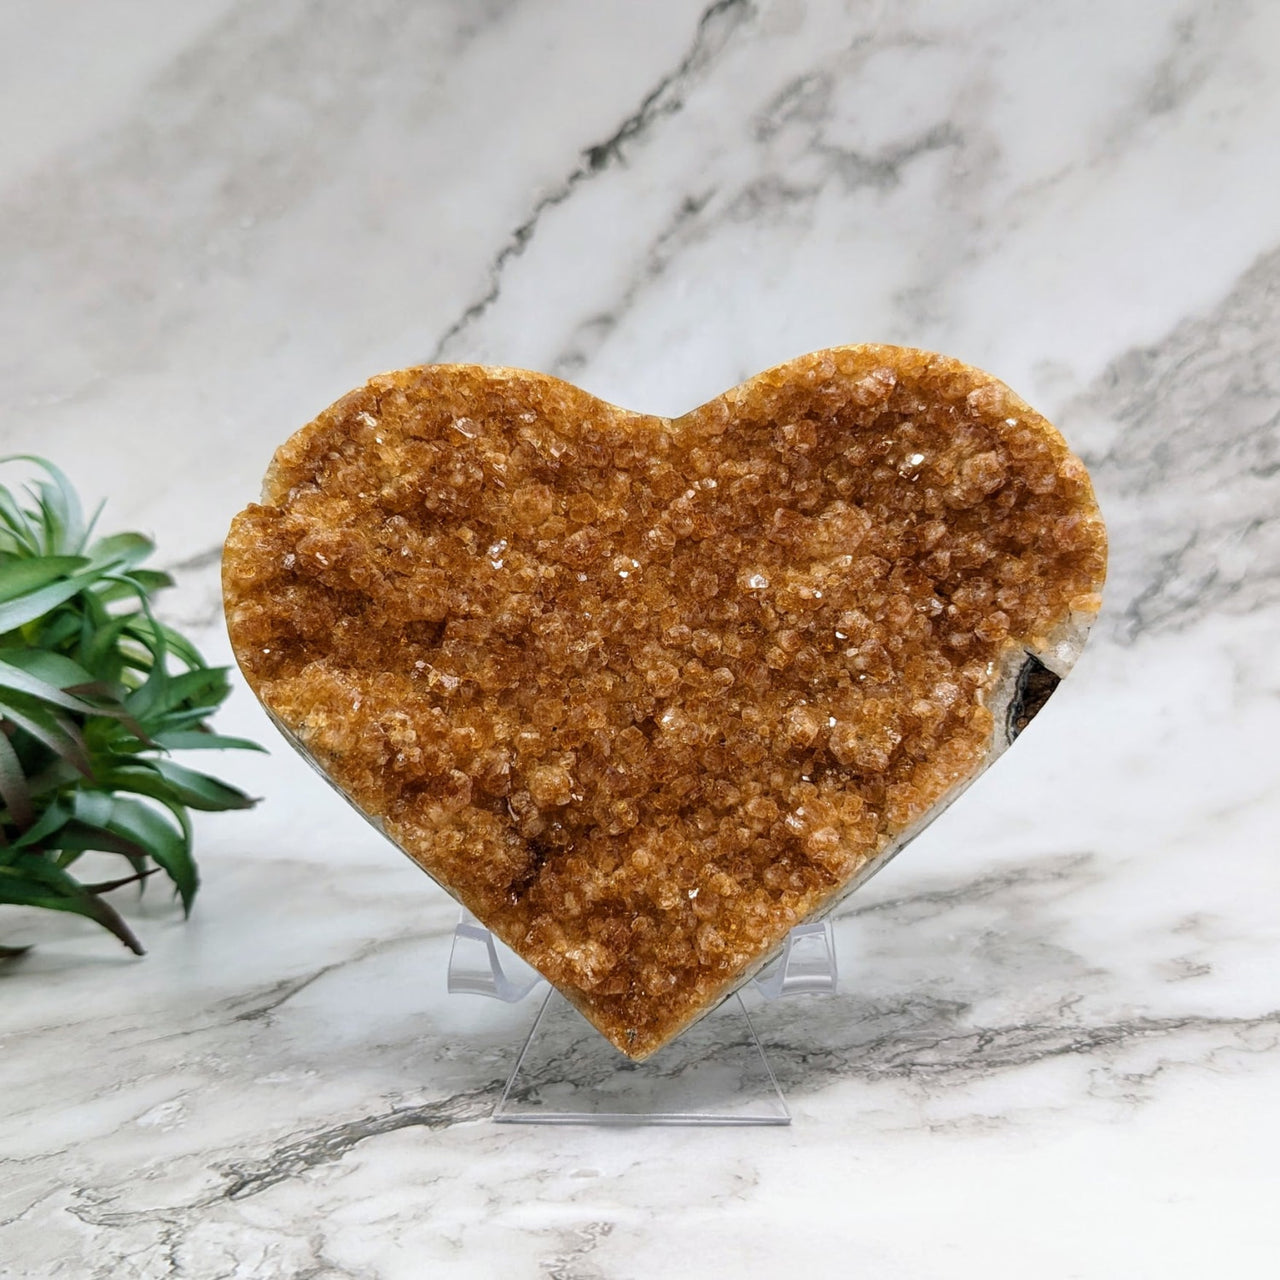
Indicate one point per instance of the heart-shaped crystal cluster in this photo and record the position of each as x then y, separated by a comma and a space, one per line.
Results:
645, 693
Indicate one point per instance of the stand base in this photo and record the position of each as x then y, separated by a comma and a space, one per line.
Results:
714, 1073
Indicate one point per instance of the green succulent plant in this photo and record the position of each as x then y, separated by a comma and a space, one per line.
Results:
96, 696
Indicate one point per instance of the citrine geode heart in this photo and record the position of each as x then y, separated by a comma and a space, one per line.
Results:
645, 693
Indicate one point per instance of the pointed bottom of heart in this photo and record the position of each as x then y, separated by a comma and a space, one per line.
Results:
716, 1073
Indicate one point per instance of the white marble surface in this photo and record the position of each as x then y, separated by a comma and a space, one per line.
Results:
1056, 1053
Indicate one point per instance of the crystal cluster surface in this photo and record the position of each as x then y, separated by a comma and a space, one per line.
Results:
645, 693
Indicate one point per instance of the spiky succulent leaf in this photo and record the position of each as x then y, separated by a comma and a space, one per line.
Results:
95, 692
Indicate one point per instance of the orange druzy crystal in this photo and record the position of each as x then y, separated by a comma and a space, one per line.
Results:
645, 693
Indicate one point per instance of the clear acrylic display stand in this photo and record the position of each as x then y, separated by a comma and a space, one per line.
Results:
715, 1073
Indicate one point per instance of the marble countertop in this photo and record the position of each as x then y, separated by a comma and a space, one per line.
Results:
1056, 1048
